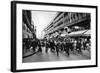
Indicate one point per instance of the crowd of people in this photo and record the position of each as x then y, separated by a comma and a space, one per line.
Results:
54, 45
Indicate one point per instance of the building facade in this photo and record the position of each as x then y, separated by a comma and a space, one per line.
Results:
28, 26
66, 22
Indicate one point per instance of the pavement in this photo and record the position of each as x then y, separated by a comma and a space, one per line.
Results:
50, 56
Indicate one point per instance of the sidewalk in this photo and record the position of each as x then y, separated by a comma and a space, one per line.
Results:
29, 53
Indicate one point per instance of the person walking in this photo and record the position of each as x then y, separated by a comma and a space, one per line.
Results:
67, 45
46, 46
52, 46
39, 45
57, 47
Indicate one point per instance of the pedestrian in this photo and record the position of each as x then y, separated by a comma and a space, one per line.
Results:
84, 45
46, 46
78, 47
34, 45
67, 45
57, 48
74, 46
52, 45
39, 45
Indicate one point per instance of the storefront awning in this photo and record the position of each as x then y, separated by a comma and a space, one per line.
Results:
80, 33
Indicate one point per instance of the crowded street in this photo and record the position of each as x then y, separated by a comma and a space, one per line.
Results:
55, 36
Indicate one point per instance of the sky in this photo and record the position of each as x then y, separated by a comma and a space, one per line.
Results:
41, 20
